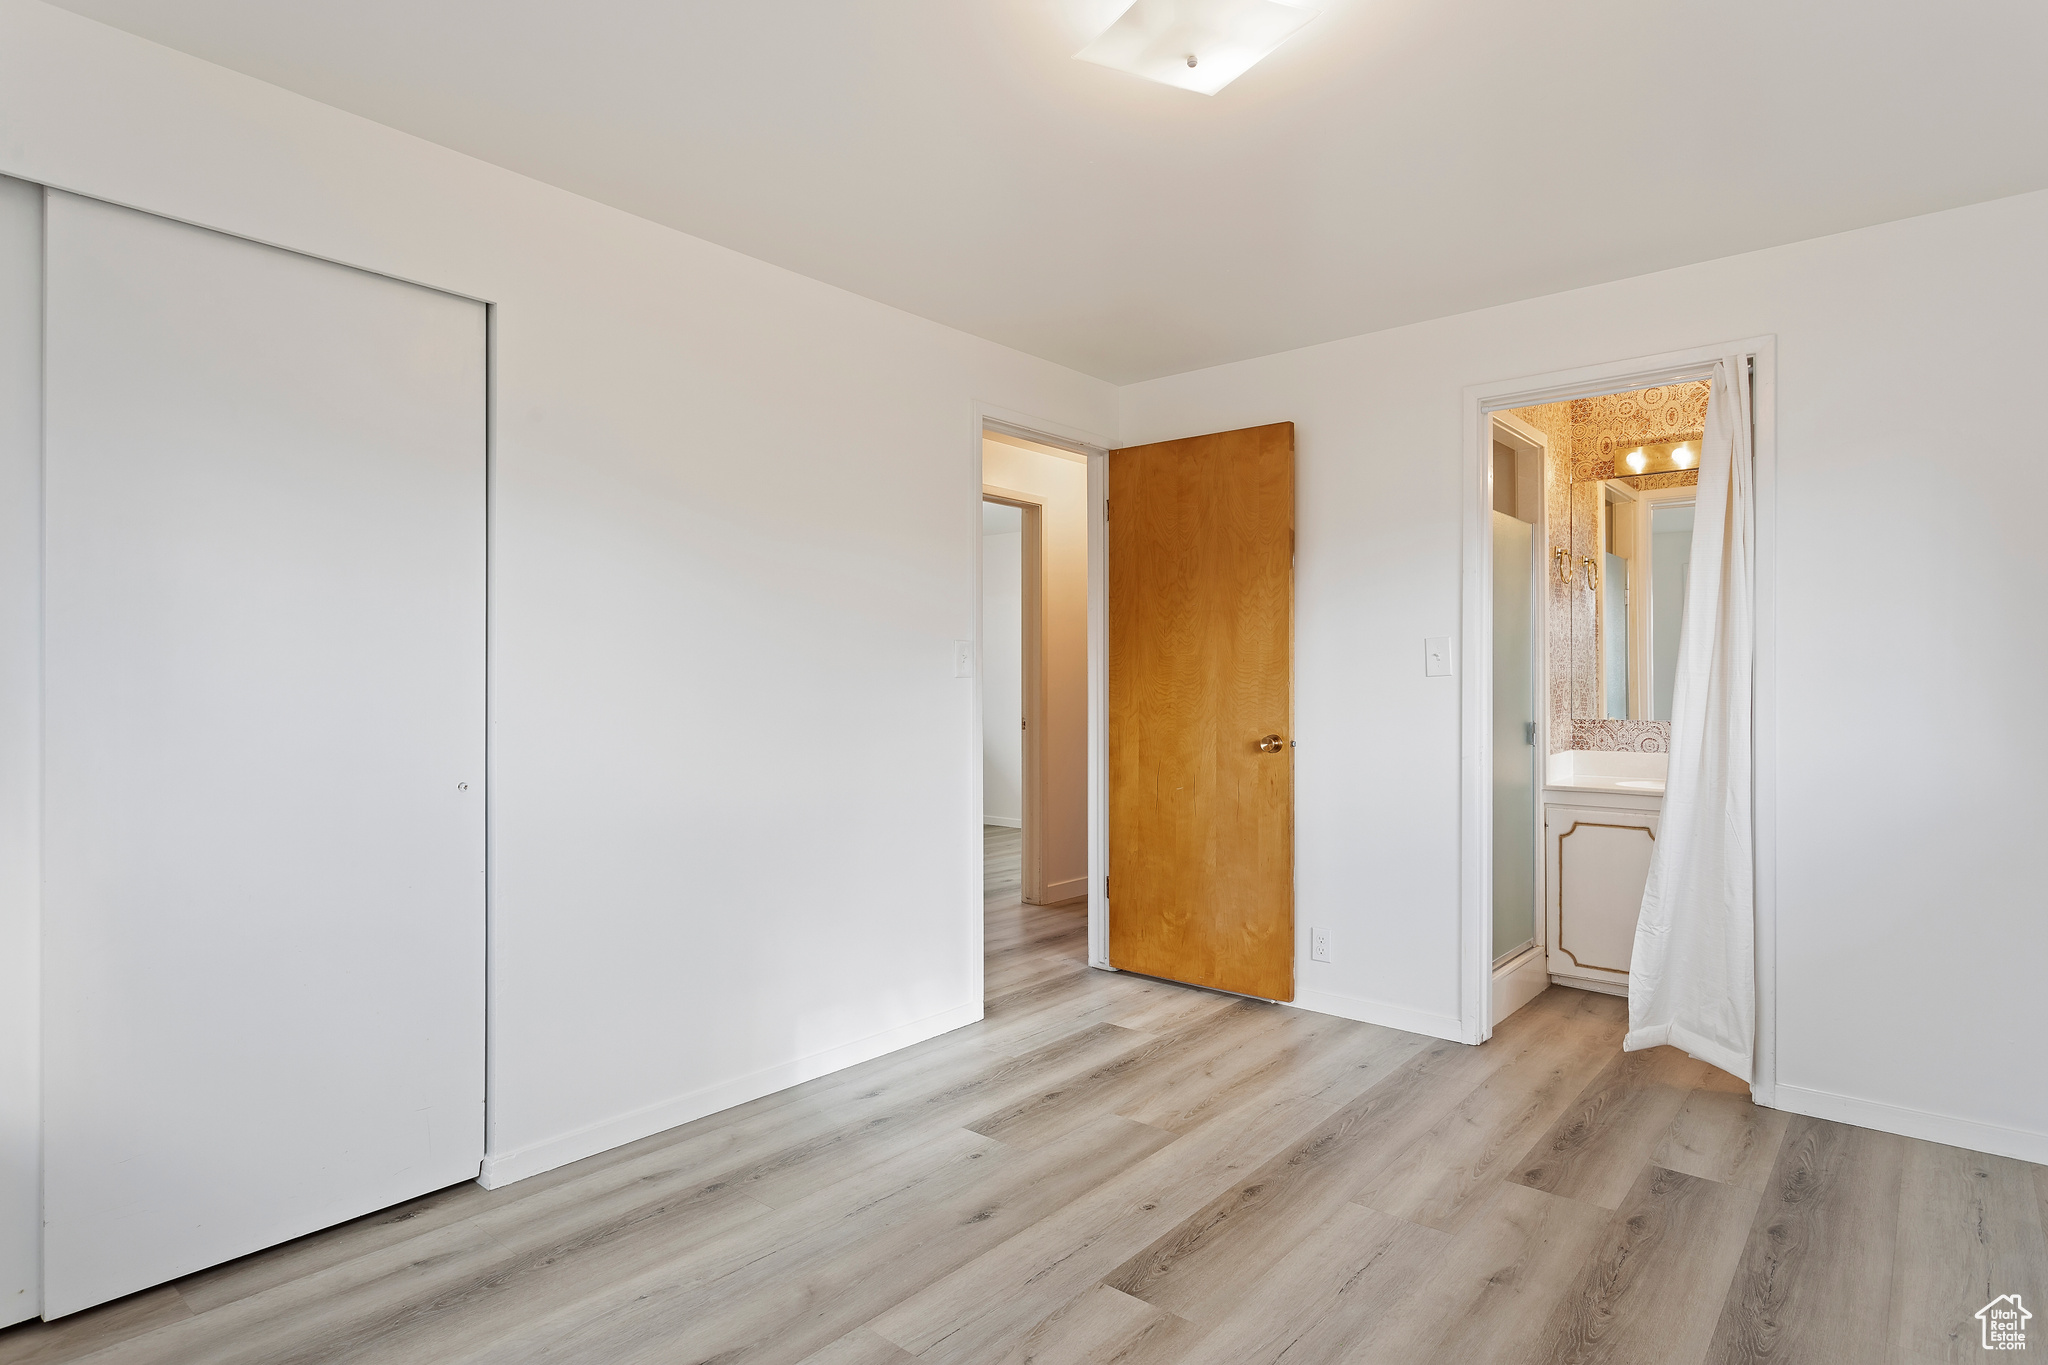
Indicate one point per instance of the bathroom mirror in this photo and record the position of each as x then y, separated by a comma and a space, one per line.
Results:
1628, 594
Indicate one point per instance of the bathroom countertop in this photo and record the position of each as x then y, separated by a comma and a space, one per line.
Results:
1619, 786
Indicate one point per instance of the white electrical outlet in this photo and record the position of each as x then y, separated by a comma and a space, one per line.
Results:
1319, 944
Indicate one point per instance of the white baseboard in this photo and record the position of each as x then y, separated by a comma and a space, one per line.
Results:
502, 1168
1063, 893
1516, 983
1914, 1123
1376, 1012
1006, 821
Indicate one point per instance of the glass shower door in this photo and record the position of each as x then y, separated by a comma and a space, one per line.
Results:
1514, 738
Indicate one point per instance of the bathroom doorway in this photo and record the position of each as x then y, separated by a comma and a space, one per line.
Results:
1575, 602
1610, 461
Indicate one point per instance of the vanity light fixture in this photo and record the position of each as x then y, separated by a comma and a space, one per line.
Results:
1199, 45
1655, 457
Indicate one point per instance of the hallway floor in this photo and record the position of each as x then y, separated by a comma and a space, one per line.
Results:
1002, 860
1111, 1168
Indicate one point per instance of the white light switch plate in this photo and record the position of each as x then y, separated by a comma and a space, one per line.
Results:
1436, 656
963, 658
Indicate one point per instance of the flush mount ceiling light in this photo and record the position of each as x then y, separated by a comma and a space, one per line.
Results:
1199, 45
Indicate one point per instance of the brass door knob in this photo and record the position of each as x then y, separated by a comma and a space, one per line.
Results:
1272, 744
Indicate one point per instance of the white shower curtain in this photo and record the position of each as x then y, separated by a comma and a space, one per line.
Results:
1692, 980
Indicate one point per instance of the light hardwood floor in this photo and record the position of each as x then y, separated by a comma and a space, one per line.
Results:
1002, 860
1109, 1168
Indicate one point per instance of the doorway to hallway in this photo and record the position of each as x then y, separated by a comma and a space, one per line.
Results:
1005, 721
1034, 670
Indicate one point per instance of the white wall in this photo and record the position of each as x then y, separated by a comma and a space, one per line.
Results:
731, 540
1910, 644
1060, 481
1002, 676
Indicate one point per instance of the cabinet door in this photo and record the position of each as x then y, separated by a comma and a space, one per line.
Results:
264, 761
1595, 864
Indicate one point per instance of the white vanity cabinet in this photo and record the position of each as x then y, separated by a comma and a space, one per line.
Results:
1596, 857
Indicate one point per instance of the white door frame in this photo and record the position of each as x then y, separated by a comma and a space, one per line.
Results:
1475, 834
1094, 447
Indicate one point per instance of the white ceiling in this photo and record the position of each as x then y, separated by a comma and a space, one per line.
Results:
1397, 160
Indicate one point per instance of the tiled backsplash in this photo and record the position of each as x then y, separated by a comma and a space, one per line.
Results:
1622, 736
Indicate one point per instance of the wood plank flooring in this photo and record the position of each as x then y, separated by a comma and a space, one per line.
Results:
1110, 1168
1002, 859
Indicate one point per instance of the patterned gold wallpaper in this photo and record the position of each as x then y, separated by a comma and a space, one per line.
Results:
1606, 428
1585, 436
1631, 736
1670, 478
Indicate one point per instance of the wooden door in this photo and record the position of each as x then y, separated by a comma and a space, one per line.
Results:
1201, 607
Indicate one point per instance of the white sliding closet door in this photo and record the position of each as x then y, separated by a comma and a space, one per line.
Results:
264, 747
21, 458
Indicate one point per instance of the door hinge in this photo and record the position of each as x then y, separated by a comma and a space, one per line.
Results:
1105, 509
1105, 887
1528, 732
1026, 725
